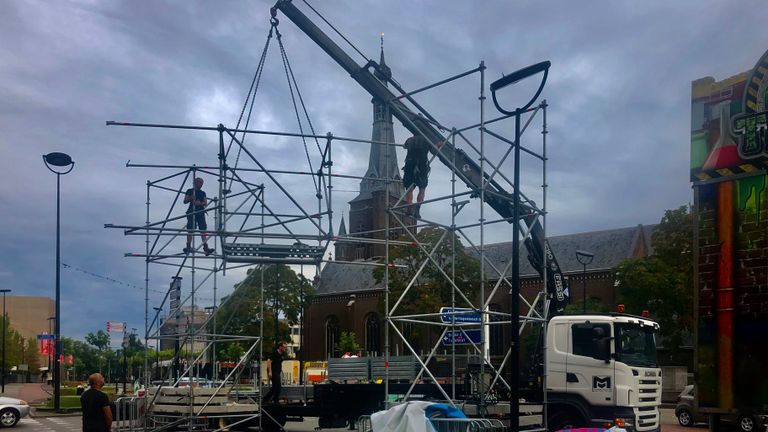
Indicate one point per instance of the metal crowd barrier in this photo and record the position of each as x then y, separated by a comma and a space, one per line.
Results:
130, 413
446, 425
466, 425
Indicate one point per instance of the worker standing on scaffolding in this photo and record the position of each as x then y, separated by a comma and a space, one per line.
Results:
416, 169
198, 201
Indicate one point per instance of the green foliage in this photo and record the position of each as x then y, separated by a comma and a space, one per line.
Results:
663, 282
88, 359
285, 293
100, 340
348, 343
432, 289
576, 307
230, 352
19, 350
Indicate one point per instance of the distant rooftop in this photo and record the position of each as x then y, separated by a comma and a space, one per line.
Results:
610, 247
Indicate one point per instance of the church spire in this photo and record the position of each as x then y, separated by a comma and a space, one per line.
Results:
383, 72
382, 164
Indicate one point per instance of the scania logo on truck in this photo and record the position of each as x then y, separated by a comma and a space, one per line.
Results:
601, 383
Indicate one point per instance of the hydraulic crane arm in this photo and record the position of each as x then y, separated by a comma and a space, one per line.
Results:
457, 160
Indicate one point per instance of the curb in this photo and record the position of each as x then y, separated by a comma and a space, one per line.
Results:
38, 413
46, 414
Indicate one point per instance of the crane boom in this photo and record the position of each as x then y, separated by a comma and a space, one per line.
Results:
539, 251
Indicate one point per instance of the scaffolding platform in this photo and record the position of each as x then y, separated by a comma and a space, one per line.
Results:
267, 254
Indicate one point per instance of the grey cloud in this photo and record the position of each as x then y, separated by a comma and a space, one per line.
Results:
619, 110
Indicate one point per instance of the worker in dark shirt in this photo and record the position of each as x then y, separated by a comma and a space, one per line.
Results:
416, 169
196, 215
97, 415
274, 368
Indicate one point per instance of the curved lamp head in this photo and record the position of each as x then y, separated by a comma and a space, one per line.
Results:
517, 76
584, 257
58, 159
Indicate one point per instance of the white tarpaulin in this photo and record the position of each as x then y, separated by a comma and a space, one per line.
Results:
406, 417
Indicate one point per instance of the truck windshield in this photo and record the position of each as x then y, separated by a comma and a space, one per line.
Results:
635, 345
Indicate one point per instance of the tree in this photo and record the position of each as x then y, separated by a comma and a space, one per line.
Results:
102, 342
87, 358
431, 289
663, 282
19, 351
285, 294
348, 343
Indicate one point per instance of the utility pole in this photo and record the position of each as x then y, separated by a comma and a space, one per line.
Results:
5, 325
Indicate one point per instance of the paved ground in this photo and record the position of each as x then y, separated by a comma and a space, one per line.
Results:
50, 424
34, 392
41, 423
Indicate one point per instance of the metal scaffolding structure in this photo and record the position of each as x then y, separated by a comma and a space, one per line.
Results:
472, 313
249, 229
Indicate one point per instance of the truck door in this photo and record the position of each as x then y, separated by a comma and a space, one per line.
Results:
590, 370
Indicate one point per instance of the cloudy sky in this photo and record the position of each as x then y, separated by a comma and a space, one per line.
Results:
619, 96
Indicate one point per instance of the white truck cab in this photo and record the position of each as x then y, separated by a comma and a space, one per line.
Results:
602, 370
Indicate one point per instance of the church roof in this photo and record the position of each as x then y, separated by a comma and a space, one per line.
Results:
338, 278
610, 247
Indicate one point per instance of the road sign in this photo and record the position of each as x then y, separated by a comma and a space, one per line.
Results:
462, 315
458, 337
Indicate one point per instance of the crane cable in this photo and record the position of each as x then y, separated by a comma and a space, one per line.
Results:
291, 85
251, 96
337, 31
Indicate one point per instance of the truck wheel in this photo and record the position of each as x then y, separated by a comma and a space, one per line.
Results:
685, 418
746, 423
566, 419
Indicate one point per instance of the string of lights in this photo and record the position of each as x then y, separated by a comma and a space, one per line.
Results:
113, 280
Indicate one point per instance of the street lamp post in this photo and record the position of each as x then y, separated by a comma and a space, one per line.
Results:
66, 164
584, 258
5, 324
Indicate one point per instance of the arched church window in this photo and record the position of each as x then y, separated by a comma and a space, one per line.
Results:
372, 333
331, 335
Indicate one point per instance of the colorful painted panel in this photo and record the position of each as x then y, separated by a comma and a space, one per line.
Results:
729, 151
729, 125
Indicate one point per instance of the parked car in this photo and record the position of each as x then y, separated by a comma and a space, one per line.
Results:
688, 415
12, 410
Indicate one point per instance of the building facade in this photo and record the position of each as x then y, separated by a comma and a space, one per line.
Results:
29, 316
349, 298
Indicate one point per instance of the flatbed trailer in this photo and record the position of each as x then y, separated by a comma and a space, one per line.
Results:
338, 405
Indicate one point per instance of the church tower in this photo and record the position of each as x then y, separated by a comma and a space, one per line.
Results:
382, 183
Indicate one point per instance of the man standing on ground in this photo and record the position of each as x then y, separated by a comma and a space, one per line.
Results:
97, 415
196, 215
274, 368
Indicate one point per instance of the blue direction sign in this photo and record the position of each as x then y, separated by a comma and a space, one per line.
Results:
466, 337
462, 315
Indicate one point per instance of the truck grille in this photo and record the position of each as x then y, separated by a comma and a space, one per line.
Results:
647, 418
649, 399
